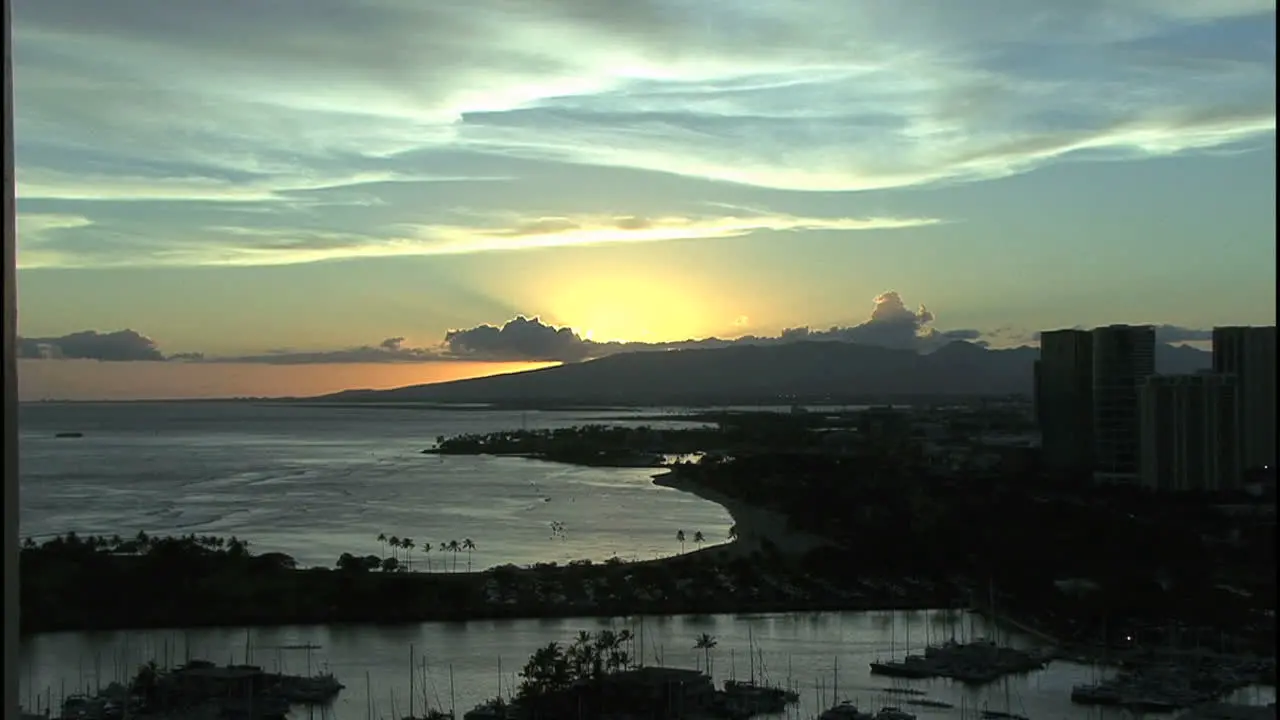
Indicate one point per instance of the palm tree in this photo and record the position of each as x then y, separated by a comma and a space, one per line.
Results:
382, 540
621, 656
580, 655
547, 671
407, 544
426, 551
698, 539
454, 547
680, 539
705, 643
468, 546
394, 542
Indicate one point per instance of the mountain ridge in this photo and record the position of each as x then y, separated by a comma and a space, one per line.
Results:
804, 371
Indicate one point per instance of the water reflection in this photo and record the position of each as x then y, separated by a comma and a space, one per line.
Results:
815, 652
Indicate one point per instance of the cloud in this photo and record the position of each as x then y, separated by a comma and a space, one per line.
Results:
391, 350
58, 245
119, 346
890, 324
518, 339
379, 113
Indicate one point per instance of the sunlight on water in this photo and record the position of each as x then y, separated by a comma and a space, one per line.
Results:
318, 482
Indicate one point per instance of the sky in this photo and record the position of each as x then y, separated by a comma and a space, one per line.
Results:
246, 198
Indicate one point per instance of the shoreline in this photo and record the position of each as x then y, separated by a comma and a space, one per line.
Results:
753, 525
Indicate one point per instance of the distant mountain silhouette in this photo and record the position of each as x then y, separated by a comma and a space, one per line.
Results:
786, 373
1181, 359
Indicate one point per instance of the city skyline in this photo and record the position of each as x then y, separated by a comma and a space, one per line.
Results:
648, 174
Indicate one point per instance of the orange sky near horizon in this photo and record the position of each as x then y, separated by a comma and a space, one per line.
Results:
93, 380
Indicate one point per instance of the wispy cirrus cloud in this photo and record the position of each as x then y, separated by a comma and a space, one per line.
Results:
269, 245
348, 116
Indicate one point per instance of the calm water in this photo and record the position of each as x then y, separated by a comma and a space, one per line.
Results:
821, 651
317, 482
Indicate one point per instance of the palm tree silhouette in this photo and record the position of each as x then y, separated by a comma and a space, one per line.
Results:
394, 542
382, 540
407, 544
680, 539
443, 547
705, 643
698, 539
454, 547
426, 551
468, 546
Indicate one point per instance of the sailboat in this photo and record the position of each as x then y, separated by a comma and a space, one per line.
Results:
496, 709
912, 667
1007, 713
428, 713
758, 697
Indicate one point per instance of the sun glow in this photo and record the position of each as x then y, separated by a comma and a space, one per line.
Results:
632, 309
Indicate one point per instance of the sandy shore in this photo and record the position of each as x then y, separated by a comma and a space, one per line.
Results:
753, 524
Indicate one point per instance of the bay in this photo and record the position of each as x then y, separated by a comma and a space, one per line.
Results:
315, 482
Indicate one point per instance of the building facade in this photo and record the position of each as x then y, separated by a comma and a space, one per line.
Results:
1123, 358
1064, 401
1249, 353
1188, 433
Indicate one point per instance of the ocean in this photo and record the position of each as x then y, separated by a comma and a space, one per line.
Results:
318, 481
315, 482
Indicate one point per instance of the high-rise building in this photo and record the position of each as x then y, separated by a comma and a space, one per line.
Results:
1123, 357
1188, 433
1249, 353
1064, 401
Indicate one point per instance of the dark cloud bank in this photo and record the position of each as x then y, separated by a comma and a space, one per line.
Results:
891, 324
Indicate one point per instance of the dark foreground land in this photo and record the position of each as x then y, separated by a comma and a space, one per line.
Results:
72, 583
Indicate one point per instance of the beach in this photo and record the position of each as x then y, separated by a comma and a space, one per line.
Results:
753, 525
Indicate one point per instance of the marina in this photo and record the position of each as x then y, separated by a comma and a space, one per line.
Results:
824, 657
1169, 686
